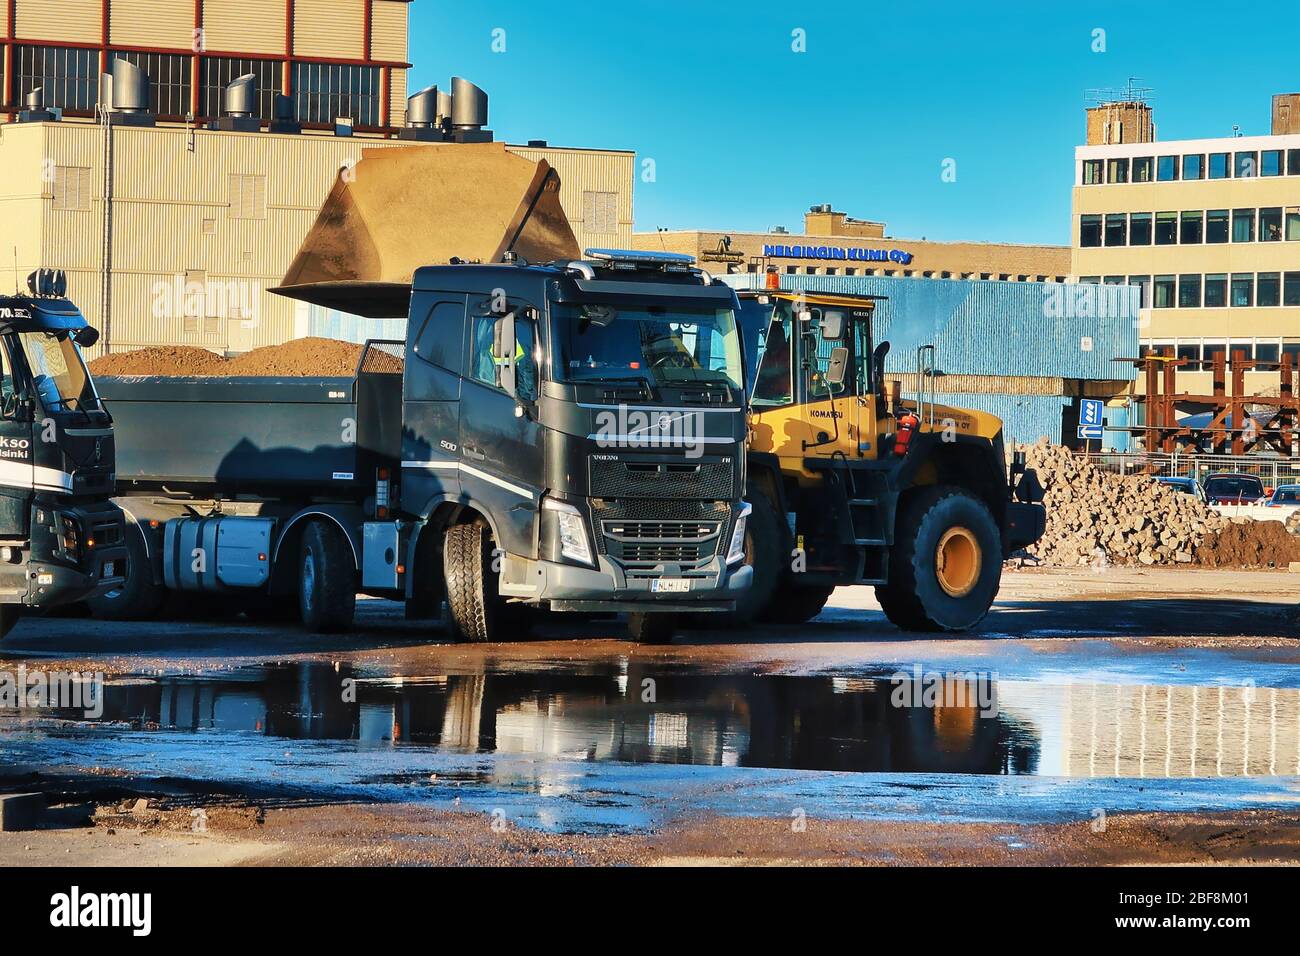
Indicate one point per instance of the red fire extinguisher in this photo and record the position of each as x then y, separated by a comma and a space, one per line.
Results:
908, 423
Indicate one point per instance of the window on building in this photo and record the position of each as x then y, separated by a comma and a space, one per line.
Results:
1089, 280
1092, 170
1266, 354
1113, 280
169, 81
1189, 291
1291, 347
1216, 290
1245, 164
1089, 230
1139, 229
1270, 162
1216, 225
1167, 169
69, 78
1142, 168
1243, 290
327, 91
1191, 230
1270, 224
600, 212
1292, 223
1218, 167
1117, 170
1194, 166
1243, 225
1291, 288
1144, 284
247, 196
1268, 289
71, 188
1162, 292
1293, 162
200, 310
1116, 229
1166, 228
1211, 349
1189, 351
219, 71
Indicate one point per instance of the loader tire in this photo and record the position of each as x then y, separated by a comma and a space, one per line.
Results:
946, 564
797, 605
327, 584
139, 598
653, 628
475, 609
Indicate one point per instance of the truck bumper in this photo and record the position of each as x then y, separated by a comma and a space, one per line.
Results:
51, 581
567, 587
1025, 524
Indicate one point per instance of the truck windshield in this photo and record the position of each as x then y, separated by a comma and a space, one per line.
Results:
661, 345
59, 376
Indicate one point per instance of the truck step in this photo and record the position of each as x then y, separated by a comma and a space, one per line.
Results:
863, 502
870, 542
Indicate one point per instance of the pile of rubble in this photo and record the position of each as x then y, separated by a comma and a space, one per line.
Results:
1097, 517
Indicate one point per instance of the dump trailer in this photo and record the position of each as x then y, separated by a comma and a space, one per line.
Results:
60, 537
851, 484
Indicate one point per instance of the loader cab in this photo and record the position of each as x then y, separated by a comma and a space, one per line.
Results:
817, 376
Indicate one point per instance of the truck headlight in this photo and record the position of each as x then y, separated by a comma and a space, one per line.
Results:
573, 532
736, 550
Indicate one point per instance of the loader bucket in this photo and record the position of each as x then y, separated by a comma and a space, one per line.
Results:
402, 208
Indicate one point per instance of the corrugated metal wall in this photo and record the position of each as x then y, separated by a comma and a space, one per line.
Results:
151, 23
388, 30
591, 171
330, 324
329, 28
992, 328
73, 21
246, 26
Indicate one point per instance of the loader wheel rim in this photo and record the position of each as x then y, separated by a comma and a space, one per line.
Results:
958, 561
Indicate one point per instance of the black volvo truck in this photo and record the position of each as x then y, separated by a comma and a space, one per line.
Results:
60, 536
567, 437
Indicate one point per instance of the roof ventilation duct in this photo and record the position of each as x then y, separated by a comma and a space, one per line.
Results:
285, 116
469, 112
130, 95
239, 103
422, 119
36, 111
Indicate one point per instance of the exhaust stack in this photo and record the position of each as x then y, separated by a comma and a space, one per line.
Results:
469, 112
36, 111
239, 103
130, 88
285, 117
422, 117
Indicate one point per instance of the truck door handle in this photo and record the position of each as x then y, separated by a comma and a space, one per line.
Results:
474, 453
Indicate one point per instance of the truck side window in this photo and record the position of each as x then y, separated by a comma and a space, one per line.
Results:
6, 376
484, 359
440, 338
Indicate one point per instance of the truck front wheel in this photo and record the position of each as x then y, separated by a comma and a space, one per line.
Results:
139, 597
473, 599
327, 592
946, 564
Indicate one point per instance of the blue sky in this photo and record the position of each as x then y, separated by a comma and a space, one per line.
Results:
746, 134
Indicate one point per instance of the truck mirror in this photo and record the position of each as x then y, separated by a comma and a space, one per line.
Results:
86, 337
503, 352
832, 326
837, 366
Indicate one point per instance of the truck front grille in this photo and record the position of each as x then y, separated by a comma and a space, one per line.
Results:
655, 479
653, 541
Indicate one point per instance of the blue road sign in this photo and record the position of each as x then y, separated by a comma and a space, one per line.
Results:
1090, 412
1090, 431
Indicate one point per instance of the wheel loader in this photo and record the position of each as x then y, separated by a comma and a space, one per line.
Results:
851, 484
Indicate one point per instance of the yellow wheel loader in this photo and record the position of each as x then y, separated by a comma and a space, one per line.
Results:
850, 484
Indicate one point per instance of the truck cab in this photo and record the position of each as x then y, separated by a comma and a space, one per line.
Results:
60, 536
580, 426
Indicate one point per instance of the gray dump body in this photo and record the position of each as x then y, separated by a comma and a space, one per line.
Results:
256, 436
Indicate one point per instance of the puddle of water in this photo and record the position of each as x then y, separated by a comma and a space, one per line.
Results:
957, 724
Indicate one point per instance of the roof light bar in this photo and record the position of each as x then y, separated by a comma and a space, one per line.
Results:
632, 258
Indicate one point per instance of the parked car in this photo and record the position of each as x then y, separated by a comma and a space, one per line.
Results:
1186, 485
1232, 489
1285, 496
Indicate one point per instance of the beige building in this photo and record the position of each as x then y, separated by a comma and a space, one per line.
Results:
1208, 228
169, 207
833, 243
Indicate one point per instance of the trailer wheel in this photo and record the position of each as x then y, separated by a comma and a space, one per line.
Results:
327, 592
797, 605
139, 598
474, 602
9, 614
651, 628
946, 563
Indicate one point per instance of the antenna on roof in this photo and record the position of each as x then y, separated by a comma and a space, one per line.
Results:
1132, 92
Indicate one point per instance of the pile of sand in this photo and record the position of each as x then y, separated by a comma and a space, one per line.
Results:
301, 357
1249, 544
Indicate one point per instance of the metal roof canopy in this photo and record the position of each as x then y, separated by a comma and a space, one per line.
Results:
400, 209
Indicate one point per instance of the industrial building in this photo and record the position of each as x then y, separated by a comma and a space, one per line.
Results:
1208, 229
174, 211
836, 244
1025, 352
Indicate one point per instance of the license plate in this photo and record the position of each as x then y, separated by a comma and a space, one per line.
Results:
670, 585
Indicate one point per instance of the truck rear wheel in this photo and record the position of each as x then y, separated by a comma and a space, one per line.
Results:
139, 597
327, 592
946, 563
797, 605
651, 628
473, 599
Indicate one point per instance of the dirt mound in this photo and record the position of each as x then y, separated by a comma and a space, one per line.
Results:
1249, 544
1098, 517
310, 356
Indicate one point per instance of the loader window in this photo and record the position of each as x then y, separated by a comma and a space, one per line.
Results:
774, 385
817, 358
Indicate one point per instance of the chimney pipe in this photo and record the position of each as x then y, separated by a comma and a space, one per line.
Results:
422, 119
239, 103
36, 111
469, 112
130, 95
285, 119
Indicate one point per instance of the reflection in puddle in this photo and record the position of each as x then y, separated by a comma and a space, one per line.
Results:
632, 714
